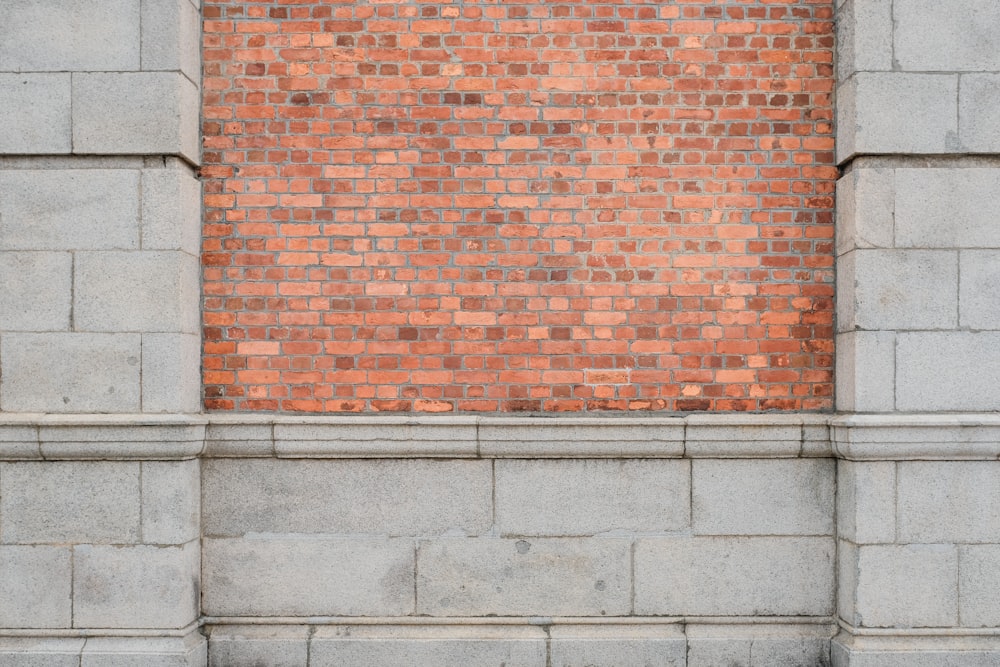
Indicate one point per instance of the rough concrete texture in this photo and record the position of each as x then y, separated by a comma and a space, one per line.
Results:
70, 501
524, 577
113, 586
307, 576
69, 209
383, 497
153, 291
907, 586
70, 35
947, 207
36, 112
129, 113
949, 501
768, 576
779, 497
590, 497
37, 289
950, 370
898, 290
35, 587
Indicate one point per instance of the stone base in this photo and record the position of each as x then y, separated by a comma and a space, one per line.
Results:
915, 651
521, 643
104, 651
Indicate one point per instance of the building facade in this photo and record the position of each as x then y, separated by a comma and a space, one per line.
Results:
684, 314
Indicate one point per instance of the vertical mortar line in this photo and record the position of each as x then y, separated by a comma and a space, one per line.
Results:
631, 579
79, 656
309, 642
958, 583
140, 373
72, 291
72, 587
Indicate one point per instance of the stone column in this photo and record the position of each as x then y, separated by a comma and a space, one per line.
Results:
918, 342
99, 332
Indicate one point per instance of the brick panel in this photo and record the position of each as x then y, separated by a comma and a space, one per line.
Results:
548, 206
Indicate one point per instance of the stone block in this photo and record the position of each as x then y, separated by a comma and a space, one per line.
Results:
171, 209
979, 116
762, 497
37, 289
866, 370
617, 646
233, 436
947, 207
952, 370
83, 372
909, 650
592, 496
544, 437
907, 586
41, 651
122, 438
979, 298
743, 436
136, 291
393, 497
847, 581
136, 113
188, 651
359, 646
171, 501
69, 35
69, 209
757, 645
725, 576
35, 109
864, 37
865, 208
948, 501
962, 39
137, 586
978, 585
917, 437
898, 290
171, 37
69, 501
307, 576
34, 588
527, 577
171, 372
274, 646
866, 501
894, 112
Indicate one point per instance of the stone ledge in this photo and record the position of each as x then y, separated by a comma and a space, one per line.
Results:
904, 648
944, 437
159, 649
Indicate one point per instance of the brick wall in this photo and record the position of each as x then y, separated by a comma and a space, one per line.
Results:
481, 206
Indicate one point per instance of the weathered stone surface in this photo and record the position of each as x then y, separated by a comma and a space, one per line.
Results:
78, 501
171, 32
907, 586
979, 300
274, 646
36, 111
527, 577
69, 35
131, 113
938, 371
155, 291
949, 501
947, 207
588, 497
865, 202
171, 377
34, 588
188, 651
758, 645
69, 209
171, 501
960, 39
978, 585
41, 651
767, 576
898, 290
37, 289
866, 501
380, 497
866, 371
864, 37
617, 646
307, 576
113, 586
759, 497
171, 208
440, 646
979, 116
